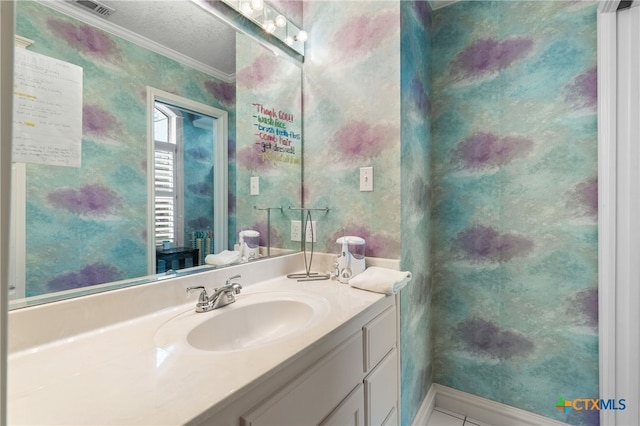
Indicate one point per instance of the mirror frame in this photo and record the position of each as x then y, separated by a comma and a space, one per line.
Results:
220, 168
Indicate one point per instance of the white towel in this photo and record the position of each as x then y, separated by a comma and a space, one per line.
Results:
225, 257
381, 280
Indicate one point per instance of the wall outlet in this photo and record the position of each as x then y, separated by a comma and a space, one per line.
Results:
296, 230
255, 185
311, 236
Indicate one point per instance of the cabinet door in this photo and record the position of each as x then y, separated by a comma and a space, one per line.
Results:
350, 412
311, 397
381, 391
392, 419
379, 337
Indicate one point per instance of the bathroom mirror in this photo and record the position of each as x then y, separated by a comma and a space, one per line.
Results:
81, 213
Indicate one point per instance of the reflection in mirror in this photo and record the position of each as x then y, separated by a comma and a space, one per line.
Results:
269, 142
85, 227
188, 147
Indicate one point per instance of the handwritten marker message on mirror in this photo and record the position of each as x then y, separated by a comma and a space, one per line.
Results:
47, 114
273, 136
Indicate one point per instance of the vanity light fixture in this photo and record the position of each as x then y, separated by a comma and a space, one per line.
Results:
256, 4
271, 21
280, 21
245, 9
302, 36
269, 27
251, 7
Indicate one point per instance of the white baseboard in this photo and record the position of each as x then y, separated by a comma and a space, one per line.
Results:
477, 408
427, 406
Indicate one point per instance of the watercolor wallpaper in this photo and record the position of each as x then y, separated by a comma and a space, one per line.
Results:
514, 231
88, 225
366, 103
487, 191
198, 176
269, 141
416, 147
352, 120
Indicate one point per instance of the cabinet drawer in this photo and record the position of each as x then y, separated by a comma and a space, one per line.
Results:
381, 391
313, 395
379, 337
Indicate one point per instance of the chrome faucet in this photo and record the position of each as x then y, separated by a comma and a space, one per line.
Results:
221, 296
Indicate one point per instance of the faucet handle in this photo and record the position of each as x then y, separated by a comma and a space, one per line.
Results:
235, 277
204, 297
204, 304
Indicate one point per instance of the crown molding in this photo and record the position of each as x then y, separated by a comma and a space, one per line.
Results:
23, 42
439, 4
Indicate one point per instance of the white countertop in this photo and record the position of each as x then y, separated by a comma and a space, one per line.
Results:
122, 374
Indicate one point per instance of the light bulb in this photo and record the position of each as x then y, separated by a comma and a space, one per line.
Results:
280, 21
289, 40
245, 8
269, 26
257, 4
302, 36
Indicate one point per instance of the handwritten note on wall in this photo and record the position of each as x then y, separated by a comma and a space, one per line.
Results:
272, 135
47, 115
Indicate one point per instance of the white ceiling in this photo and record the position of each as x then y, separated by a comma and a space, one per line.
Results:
178, 28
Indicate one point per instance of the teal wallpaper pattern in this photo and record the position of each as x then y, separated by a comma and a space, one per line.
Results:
415, 189
198, 176
352, 120
367, 104
514, 232
88, 225
497, 183
269, 141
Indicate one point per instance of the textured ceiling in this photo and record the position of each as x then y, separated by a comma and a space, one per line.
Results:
179, 25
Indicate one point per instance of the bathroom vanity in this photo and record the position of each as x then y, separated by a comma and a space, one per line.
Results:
284, 353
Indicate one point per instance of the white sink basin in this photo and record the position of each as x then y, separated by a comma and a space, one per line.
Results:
253, 321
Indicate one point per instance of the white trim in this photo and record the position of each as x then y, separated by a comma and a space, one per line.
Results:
608, 6
426, 408
176, 144
477, 408
75, 12
7, 41
220, 169
23, 42
607, 203
618, 207
398, 363
439, 4
627, 231
18, 232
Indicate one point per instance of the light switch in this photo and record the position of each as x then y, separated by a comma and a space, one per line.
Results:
255, 185
366, 178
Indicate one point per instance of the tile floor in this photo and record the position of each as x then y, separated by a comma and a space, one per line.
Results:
442, 417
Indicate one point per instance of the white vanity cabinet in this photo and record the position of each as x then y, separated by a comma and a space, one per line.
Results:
355, 383
340, 367
381, 368
350, 411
